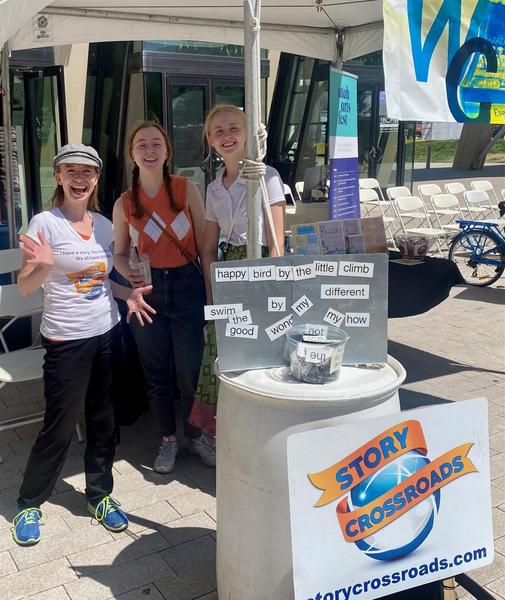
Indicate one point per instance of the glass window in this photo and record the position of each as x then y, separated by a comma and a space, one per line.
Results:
313, 143
195, 47
188, 115
154, 97
296, 109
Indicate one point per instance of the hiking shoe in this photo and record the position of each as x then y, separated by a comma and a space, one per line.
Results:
25, 529
165, 461
205, 447
108, 513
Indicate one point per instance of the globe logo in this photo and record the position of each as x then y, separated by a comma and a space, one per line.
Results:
407, 532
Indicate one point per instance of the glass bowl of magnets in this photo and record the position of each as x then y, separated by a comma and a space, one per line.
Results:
314, 352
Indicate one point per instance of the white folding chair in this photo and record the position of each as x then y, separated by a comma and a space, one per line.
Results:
370, 197
399, 191
19, 365
368, 183
482, 185
446, 208
289, 194
478, 204
426, 190
299, 185
414, 218
454, 187
10, 260
25, 364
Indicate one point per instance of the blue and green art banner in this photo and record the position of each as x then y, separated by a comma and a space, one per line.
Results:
343, 137
444, 60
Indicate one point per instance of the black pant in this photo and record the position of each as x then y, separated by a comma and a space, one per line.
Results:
76, 373
171, 348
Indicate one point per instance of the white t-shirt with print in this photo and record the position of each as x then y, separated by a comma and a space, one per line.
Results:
78, 301
227, 206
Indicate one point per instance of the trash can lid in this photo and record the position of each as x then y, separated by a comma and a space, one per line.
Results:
354, 383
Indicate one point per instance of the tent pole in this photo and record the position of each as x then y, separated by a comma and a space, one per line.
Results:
7, 158
252, 117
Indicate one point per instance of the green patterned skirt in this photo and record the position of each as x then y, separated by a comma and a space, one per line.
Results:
203, 414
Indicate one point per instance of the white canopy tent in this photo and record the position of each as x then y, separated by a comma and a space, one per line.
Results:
326, 29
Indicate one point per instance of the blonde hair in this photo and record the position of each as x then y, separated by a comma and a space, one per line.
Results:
58, 196
167, 177
219, 108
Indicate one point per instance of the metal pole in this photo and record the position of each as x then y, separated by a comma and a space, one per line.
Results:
252, 117
7, 158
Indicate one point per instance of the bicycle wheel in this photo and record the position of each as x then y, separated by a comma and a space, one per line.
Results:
467, 250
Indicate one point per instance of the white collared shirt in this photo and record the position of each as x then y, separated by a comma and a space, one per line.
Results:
228, 206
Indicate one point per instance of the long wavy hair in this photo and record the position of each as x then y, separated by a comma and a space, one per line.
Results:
58, 196
167, 177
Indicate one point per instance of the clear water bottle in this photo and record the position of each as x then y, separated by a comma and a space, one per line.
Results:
140, 265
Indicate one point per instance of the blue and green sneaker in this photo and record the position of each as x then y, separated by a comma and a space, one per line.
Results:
108, 513
25, 529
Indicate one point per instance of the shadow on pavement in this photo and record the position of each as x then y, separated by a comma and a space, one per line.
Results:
421, 365
491, 295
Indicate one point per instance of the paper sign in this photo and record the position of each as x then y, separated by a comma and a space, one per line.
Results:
302, 305
276, 304
304, 272
355, 269
317, 330
314, 338
325, 268
181, 225
284, 273
333, 317
341, 291
262, 273
229, 274
390, 504
279, 328
357, 320
221, 311
241, 331
314, 354
241, 318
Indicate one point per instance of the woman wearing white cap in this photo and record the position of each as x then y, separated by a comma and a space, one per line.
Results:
67, 250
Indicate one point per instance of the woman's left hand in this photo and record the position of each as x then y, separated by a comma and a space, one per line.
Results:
138, 306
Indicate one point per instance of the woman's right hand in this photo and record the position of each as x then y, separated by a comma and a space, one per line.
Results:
37, 254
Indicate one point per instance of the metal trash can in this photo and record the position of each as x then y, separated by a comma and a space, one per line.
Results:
257, 411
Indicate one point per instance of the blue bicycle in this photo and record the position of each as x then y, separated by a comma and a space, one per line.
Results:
479, 252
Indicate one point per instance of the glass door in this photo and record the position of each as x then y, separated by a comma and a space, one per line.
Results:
186, 118
39, 130
378, 137
46, 129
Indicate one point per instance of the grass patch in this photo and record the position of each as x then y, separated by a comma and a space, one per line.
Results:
443, 151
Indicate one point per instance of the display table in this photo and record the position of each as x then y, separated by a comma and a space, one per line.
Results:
417, 287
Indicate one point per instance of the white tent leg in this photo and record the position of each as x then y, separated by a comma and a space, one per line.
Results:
252, 117
7, 157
